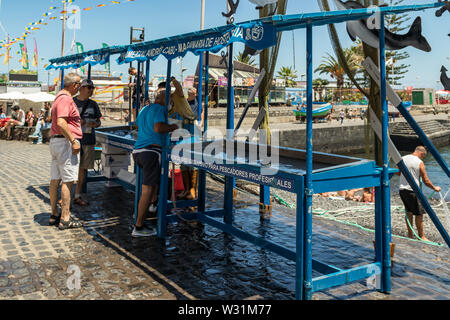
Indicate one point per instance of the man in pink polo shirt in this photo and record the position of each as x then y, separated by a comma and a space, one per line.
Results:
65, 150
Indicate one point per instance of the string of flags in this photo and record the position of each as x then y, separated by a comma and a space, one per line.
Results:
47, 16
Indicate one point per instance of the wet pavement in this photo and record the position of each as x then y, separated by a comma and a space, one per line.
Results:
193, 262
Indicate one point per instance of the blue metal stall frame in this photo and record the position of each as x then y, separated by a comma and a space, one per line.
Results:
361, 173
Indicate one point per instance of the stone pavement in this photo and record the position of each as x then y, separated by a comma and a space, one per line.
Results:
193, 262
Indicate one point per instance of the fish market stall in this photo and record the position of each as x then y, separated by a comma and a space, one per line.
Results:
303, 172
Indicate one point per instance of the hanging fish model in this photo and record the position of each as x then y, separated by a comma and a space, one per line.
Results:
359, 29
444, 79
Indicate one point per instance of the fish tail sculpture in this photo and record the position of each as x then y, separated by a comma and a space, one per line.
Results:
444, 79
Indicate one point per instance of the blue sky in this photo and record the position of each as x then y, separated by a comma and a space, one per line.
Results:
111, 24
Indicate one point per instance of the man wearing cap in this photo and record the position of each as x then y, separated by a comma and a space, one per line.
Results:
65, 149
90, 119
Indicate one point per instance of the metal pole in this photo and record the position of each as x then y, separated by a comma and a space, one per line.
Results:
164, 184
424, 139
309, 167
205, 115
202, 17
299, 261
63, 38
200, 86
147, 80
229, 181
89, 72
385, 183
202, 175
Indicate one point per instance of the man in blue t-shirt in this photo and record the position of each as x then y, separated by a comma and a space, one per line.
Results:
153, 128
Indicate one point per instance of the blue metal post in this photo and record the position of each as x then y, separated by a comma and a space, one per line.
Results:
299, 238
307, 242
138, 89
200, 86
202, 176
147, 79
164, 184
62, 79
89, 71
425, 140
229, 181
385, 183
137, 191
205, 115
378, 227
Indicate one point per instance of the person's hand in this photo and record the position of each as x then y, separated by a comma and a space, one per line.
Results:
437, 189
92, 124
83, 122
173, 127
76, 147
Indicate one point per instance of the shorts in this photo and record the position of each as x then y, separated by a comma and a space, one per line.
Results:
411, 202
87, 157
64, 165
149, 159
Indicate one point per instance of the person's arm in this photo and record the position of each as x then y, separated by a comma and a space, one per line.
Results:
178, 87
426, 180
161, 127
64, 129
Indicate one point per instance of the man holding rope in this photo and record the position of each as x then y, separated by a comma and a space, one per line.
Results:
415, 165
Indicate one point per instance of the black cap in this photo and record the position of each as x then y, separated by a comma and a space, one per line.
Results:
87, 83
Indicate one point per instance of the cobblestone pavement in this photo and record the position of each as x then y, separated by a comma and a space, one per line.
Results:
193, 262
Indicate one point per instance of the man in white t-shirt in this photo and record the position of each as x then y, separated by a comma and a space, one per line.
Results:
416, 167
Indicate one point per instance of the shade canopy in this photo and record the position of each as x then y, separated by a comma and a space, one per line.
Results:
40, 97
14, 95
257, 34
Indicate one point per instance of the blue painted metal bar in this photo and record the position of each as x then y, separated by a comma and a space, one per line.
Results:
425, 140
229, 181
62, 79
385, 186
299, 237
307, 242
379, 247
89, 72
258, 241
200, 86
138, 191
345, 276
205, 124
164, 183
202, 173
137, 103
423, 200
147, 80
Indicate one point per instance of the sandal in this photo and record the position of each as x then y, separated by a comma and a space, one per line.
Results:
71, 224
55, 222
80, 202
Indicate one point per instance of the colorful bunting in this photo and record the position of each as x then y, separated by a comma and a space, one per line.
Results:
32, 26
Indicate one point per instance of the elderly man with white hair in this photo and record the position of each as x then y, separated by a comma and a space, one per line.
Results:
65, 151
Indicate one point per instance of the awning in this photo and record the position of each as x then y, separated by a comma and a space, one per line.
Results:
257, 34
216, 73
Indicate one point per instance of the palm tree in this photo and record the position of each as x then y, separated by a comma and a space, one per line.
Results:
247, 60
289, 75
333, 68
